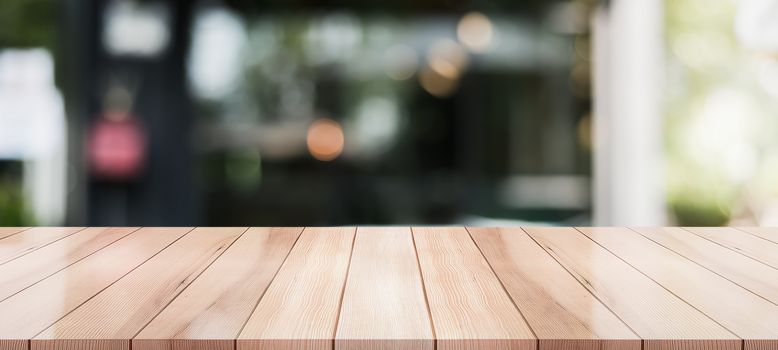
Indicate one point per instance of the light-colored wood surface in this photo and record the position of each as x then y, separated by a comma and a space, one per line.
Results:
8, 231
424, 288
749, 245
215, 307
301, 307
743, 271
650, 310
384, 307
29, 240
32, 310
559, 309
122, 310
469, 307
740, 311
22, 272
766, 233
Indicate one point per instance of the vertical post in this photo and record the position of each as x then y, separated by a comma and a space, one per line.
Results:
628, 172
166, 193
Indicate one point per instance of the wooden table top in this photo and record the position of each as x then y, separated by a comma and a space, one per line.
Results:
388, 288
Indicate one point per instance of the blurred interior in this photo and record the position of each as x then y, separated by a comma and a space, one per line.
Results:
345, 112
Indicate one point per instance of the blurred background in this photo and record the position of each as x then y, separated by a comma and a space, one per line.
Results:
347, 112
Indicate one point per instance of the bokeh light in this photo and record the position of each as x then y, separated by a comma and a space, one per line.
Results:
449, 51
325, 139
446, 62
476, 32
444, 68
437, 84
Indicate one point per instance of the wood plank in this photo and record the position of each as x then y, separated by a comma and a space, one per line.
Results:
24, 271
768, 233
117, 314
663, 320
212, 310
30, 311
741, 242
384, 307
469, 307
740, 311
9, 231
14, 246
744, 271
300, 308
563, 314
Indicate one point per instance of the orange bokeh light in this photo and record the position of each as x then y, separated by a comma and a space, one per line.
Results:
325, 139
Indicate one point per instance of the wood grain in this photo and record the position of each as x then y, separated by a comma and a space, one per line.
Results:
384, 306
563, 314
118, 313
650, 310
81, 344
746, 244
24, 242
388, 288
767, 233
8, 231
210, 313
30, 311
469, 307
22, 272
744, 271
740, 311
14, 344
300, 308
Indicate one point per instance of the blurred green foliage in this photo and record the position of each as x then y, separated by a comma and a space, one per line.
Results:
12, 208
27, 23
697, 197
720, 122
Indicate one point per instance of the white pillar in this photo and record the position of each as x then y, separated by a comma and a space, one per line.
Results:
628, 122
32, 130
